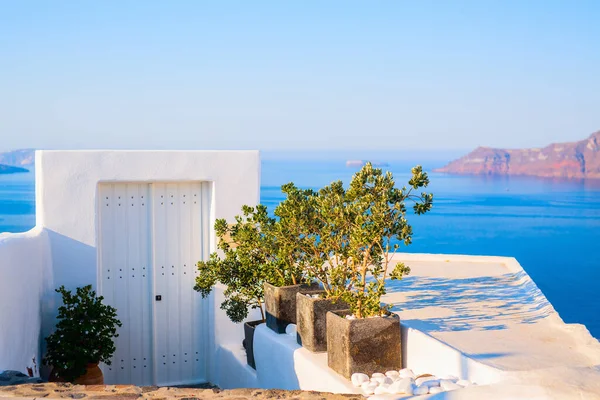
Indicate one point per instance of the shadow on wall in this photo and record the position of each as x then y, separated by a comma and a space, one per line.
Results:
73, 265
481, 303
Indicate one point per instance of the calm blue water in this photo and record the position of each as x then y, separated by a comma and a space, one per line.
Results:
551, 227
17, 202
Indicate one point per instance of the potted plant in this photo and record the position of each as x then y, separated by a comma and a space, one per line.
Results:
289, 260
366, 338
83, 337
244, 268
311, 214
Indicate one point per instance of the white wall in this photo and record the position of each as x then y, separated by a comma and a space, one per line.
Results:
24, 273
228, 368
66, 201
427, 355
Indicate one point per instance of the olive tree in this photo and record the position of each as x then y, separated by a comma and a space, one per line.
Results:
308, 222
374, 223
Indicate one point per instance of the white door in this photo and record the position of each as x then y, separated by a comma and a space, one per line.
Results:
150, 238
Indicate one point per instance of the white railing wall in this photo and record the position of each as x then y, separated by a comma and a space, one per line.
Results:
25, 275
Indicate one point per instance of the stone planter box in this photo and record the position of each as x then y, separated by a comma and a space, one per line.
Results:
311, 320
280, 304
248, 342
366, 345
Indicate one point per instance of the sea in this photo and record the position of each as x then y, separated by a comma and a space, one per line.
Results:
552, 227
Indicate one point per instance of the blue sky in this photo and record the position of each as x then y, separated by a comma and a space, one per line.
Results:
303, 75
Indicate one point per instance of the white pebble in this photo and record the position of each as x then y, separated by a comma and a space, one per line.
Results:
463, 383
435, 389
383, 389
378, 375
407, 373
448, 385
351, 316
384, 381
369, 387
290, 329
421, 390
392, 374
404, 385
429, 381
394, 388
358, 379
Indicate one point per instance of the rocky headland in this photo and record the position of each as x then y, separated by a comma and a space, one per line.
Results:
18, 158
12, 162
580, 160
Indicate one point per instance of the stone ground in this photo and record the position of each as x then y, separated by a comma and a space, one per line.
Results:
14, 384
110, 392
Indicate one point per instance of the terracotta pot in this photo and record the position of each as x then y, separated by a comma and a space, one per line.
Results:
53, 377
93, 376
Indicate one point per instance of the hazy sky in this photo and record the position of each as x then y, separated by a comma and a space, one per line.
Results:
298, 75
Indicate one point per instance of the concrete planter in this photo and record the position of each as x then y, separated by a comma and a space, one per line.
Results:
248, 343
366, 345
280, 304
311, 320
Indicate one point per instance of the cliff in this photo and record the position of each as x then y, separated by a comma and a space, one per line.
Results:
559, 160
9, 169
18, 158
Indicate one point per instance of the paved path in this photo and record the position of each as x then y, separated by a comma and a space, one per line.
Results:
109, 392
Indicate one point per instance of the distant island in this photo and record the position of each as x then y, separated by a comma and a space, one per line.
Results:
18, 158
9, 169
559, 160
13, 162
361, 163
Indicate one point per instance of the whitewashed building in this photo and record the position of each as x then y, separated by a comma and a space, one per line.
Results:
135, 223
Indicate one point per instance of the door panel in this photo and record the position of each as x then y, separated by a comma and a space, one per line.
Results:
177, 245
125, 281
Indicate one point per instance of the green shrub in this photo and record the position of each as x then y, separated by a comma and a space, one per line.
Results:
253, 253
84, 333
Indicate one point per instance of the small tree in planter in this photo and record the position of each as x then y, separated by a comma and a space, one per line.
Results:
289, 232
375, 225
83, 337
246, 265
312, 216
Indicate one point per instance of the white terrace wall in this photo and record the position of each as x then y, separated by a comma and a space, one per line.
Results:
66, 202
24, 269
